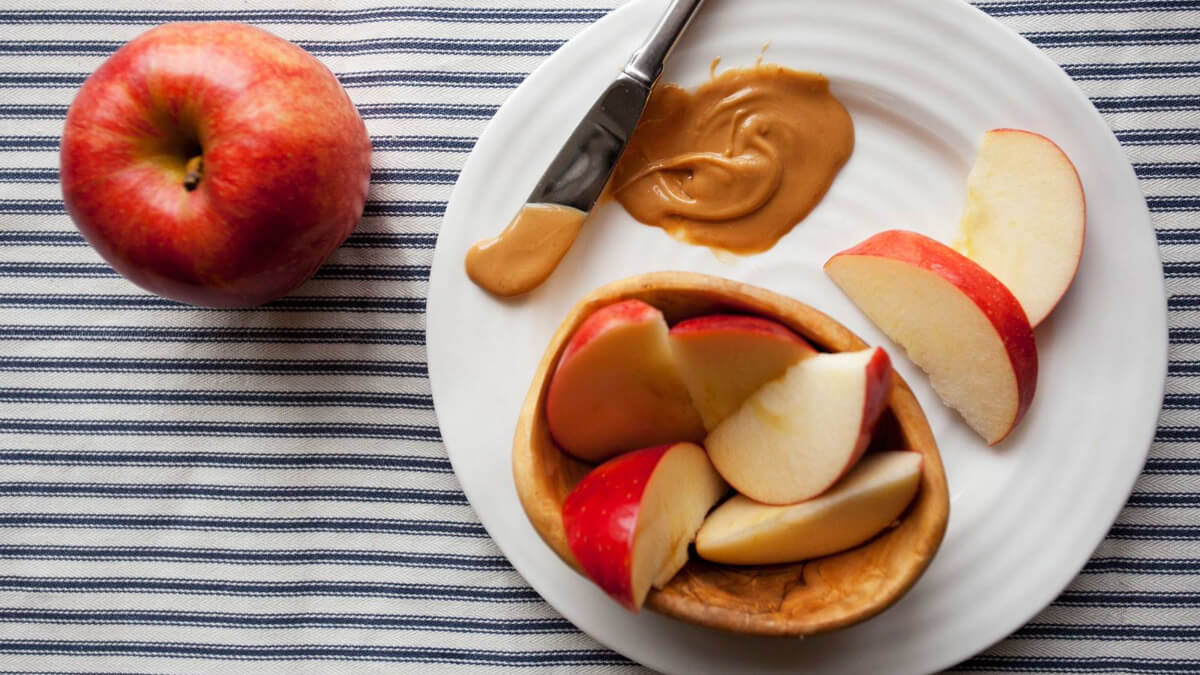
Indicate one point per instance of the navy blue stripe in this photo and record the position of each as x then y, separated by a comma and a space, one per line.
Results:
1118, 104
1165, 499
308, 16
28, 175
29, 142
294, 493
390, 45
1141, 70
1145, 532
1165, 204
1110, 38
42, 80
1183, 367
76, 364
294, 303
425, 622
1182, 136
1080, 664
231, 556
1186, 566
428, 78
232, 460
406, 143
320, 652
415, 176
1139, 632
1178, 236
1173, 270
437, 528
353, 589
449, 111
110, 427
1043, 7
368, 78
1183, 302
415, 240
213, 334
329, 271
1126, 599
1181, 401
209, 397
1172, 466
1168, 170
372, 207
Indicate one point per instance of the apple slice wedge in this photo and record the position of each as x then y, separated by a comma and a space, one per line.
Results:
1025, 217
630, 520
957, 322
617, 386
724, 358
875, 492
799, 434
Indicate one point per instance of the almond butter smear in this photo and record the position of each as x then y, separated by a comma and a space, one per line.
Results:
738, 163
527, 251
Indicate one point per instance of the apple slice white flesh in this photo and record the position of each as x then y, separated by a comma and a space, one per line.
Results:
799, 434
875, 492
957, 322
630, 520
724, 358
1025, 217
617, 386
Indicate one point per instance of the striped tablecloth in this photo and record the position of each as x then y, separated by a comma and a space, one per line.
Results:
184, 489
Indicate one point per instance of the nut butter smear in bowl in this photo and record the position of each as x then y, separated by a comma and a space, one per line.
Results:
738, 163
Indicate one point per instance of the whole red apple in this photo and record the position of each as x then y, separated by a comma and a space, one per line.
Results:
214, 163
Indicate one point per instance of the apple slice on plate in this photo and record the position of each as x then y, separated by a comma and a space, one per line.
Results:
617, 386
1025, 217
744, 532
630, 520
799, 434
957, 322
724, 358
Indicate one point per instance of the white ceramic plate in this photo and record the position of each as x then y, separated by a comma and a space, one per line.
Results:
923, 80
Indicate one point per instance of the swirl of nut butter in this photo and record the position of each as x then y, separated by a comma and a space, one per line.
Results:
734, 166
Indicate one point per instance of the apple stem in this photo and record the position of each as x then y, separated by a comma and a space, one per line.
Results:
194, 170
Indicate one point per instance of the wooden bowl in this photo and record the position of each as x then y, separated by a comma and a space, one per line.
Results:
803, 598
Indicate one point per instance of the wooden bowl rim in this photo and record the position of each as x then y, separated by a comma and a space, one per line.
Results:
543, 508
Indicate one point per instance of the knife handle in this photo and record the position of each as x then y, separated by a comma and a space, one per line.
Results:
647, 62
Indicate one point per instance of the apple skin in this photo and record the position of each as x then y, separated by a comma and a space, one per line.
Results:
600, 516
994, 300
630, 520
282, 181
617, 386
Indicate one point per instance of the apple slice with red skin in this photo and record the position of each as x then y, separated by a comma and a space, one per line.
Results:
869, 498
957, 322
630, 520
617, 386
797, 435
724, 358
1025, 217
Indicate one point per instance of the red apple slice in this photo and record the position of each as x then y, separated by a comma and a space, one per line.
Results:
630, 520
617, 386
958, 323
724, 358
799, 434
875, 492
1025, 217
